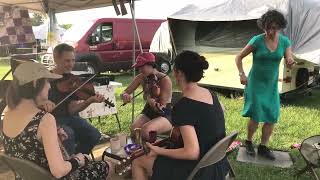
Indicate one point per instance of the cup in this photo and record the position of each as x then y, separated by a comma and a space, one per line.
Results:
123, 139
115, 145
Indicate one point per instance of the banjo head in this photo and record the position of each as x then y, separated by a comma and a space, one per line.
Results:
310, 150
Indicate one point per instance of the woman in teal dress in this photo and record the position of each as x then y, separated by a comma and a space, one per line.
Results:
262, 100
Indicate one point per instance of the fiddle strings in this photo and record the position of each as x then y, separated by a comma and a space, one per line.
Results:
143, 90
76, 89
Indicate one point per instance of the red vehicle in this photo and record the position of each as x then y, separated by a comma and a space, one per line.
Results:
106, 44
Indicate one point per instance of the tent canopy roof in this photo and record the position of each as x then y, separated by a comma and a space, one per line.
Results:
58, 5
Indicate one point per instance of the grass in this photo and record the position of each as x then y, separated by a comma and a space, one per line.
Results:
299, 119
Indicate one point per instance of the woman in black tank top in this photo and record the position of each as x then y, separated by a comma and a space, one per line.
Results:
200, 119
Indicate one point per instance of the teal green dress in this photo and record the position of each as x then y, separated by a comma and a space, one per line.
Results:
262, 100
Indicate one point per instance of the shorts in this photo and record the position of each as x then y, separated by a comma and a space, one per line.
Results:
151, 114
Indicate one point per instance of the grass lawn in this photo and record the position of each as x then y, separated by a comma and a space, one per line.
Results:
299, 120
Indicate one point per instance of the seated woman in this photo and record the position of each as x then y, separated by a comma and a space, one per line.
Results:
30, 133
199, 117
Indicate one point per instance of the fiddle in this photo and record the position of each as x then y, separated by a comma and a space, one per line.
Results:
83, 90
152, 86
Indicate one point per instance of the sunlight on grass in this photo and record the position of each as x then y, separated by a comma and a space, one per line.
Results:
299, 119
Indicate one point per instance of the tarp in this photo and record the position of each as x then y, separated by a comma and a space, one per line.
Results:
57, 5
303, 23
41, 32
161, 39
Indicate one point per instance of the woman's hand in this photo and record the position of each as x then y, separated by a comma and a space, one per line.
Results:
290, 62
243, 79
154, 150
47, 106
81, 159
126, 98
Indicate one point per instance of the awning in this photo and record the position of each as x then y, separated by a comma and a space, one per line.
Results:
57, 5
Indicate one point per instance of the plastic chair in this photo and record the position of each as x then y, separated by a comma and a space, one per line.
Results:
215, 154
25, 169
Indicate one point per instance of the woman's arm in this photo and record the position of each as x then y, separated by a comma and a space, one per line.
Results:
289, 57
244, 52
190, 150
134, 84
166, 90
48, 133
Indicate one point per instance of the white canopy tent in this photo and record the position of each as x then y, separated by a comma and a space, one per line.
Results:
51, 7
58, 5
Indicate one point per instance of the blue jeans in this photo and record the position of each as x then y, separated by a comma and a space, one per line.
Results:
86, 136
70, 143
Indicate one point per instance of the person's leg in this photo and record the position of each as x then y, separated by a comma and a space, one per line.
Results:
159, 124
263, 150
138, 123
87, 135
142, 167
69, 143
267, 130
252, 128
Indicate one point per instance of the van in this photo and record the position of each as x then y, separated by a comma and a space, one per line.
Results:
106, 44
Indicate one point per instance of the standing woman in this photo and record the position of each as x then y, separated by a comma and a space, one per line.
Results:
200, 119
262, 100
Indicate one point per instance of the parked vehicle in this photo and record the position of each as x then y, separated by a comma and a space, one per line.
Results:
107, 43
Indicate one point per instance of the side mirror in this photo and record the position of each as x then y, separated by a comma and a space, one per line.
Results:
92, 40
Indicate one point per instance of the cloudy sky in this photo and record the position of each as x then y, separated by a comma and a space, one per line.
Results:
151, 9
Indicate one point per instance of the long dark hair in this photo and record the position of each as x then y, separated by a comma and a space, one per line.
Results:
15, 92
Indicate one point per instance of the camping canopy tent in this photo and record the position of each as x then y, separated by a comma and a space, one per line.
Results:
228, 24
57, 5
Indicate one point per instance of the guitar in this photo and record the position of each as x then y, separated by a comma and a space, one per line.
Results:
124, 164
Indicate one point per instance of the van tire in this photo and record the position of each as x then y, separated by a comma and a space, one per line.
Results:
163, 62
92, 68
302, 78
92, 59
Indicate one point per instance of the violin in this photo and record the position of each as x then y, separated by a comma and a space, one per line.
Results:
152, 87
83, 90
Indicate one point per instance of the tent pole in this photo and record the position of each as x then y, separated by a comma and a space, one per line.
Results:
172, 40
133, 57
135, 24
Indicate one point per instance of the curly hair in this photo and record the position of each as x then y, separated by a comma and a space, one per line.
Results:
272, 16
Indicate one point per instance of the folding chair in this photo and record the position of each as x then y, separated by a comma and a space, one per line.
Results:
310, 151
215, 154
25, 169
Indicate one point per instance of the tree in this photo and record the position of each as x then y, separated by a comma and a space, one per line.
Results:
37, 19
65, 26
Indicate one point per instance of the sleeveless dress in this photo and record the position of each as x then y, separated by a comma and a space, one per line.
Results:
262, 99
208, 121
27, 146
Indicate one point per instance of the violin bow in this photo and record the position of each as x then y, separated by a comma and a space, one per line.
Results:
76, 89
143, 91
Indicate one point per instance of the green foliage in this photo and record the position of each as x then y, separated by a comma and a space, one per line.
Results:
66, 26
37, 19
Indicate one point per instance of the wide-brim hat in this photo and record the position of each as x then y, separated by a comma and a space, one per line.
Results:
30, 71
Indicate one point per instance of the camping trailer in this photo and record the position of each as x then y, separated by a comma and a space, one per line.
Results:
221, 29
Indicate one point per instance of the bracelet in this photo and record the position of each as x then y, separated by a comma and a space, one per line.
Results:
74, 164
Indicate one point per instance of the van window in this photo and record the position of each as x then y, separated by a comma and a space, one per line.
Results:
102, 33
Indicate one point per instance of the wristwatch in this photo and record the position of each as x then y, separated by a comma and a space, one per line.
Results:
241, 73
